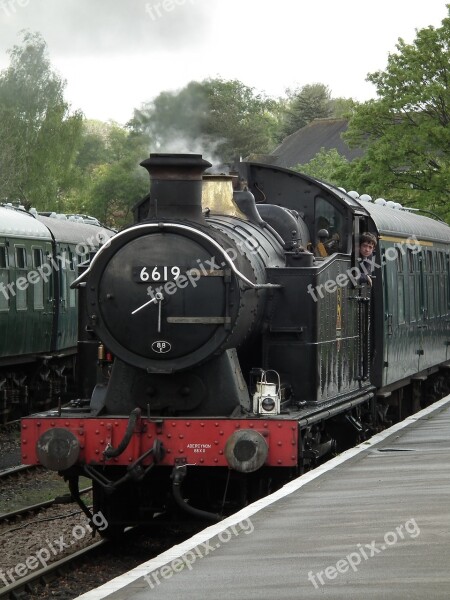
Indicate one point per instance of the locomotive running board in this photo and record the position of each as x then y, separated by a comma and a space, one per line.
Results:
322, 415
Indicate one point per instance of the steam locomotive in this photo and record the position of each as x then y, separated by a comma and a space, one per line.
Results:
38, 310
235, 344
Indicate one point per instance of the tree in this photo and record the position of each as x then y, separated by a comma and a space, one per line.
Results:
243, 122
312, 101
222, 119
328, 166
109, 180
342, 108
406, 132
38, 135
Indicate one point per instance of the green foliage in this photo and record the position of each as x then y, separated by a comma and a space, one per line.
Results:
406, 132
109, 179
312, 101
329, 166
38, 135
221, 119
342, 108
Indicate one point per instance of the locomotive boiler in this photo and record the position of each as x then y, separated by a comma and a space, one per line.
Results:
235, 347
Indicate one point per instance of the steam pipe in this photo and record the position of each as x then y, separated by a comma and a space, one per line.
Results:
111, 452
178, 474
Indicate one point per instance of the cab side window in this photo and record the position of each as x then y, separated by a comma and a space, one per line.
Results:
329, 229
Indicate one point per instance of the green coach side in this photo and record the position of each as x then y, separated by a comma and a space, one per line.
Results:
26, 300
38, 309
411, 295
73, 242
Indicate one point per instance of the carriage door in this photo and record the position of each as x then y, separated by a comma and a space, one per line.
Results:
4, 298
67, 319
424, 258
390, 316
41, 298
61, 298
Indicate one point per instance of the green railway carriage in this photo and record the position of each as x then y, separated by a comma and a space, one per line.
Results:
38, 309
411, 300
72, 244
25, 318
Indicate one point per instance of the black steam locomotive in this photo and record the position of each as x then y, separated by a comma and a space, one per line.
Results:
235, 344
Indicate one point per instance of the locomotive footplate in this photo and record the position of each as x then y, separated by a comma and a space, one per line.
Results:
242, 444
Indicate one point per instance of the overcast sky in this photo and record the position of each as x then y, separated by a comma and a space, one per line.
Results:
117, 54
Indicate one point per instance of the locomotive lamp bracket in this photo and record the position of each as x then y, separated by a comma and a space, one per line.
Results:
267, 397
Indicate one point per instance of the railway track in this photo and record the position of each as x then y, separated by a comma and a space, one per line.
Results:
36, 508
25, 586
101, 561
9, 426
19, 471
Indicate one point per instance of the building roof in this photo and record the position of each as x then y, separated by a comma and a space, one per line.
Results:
300, 147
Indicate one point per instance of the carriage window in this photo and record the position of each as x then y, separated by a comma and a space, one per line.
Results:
21, 282
430, 297
3, 258
401, 299
412, 299
72, 297
4, 279
38, 282
447, 277
441, 288
71, 278
420, 294
21, 257
63, 280
399, 261
72, 262
411, 261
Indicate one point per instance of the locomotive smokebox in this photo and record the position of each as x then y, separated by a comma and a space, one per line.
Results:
176, 186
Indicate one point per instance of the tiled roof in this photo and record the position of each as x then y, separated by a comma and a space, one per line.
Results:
300, 147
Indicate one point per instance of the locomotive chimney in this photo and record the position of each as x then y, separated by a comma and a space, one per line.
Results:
176, 185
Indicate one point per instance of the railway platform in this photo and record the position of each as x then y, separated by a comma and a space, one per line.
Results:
372, 523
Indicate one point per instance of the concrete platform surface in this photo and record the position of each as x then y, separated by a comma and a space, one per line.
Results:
373, 523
